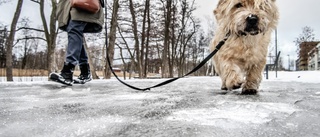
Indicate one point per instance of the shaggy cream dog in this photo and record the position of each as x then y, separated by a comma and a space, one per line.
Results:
241, 60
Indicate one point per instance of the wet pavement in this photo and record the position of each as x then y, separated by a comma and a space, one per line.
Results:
189, 107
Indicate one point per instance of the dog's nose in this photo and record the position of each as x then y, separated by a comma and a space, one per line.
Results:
252, 19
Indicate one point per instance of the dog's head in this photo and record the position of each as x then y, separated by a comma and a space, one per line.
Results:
247, 17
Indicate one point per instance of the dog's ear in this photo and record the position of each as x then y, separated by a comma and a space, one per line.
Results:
217, 12
220, 2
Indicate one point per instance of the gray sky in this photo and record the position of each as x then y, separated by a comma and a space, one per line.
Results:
294, 15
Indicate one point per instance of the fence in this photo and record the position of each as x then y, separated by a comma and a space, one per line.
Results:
25, 79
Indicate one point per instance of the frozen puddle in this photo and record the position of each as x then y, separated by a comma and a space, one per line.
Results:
136, 96
65, 127
233, 114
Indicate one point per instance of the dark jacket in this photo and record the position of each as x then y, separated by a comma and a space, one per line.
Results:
65, 12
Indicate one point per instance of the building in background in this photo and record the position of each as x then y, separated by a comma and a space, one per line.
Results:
303, 57
314, 58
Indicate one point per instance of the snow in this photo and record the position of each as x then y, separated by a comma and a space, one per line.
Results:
287, 76
296, 76
192, 106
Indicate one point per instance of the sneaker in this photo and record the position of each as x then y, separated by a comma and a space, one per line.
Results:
66, 75
85, 74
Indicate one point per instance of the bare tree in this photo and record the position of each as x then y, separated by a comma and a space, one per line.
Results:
9, 42
92, 68
131, 65
26, 47
123, 61
146, 64
185, 35
112, 37
50, 31
145, 38
136, 38
3, 36
160, 34
165, 56
307, 35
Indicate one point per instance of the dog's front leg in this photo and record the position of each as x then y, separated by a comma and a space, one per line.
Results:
253, 80
231, 76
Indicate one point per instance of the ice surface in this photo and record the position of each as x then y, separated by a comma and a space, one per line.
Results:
234, 112
193, 106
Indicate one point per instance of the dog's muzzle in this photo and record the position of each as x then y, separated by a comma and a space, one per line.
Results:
252, 25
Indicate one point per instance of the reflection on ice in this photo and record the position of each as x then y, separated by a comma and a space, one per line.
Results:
234, 112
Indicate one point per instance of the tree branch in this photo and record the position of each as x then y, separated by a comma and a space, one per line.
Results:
26, 28
36, 1
27, 38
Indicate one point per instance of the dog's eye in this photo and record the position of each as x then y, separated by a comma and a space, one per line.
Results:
239, 5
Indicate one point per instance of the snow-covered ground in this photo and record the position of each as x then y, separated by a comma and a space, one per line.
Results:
195, 106
297, 76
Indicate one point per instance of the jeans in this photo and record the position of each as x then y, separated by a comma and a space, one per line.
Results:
76, 53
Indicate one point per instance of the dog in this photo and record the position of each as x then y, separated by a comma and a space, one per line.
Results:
241, 60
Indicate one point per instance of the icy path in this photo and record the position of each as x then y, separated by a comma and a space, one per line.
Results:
192, 106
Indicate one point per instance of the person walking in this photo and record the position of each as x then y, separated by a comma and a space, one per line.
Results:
76, 22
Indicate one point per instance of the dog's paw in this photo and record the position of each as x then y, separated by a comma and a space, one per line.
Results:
249, 92
237, 86
224, 88
234, 82
234, 85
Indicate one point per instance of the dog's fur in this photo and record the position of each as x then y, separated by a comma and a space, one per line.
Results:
241, 60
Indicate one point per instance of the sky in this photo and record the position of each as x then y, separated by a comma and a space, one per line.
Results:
294, 15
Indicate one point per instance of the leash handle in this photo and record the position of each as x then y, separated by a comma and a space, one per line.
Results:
220, 44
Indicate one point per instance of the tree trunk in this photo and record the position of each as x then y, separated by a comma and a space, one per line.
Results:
173, 48
92, 67
3, 36
148, 38
112, 36
53, 36
143, 38
24, 59
136, 38
123, 61
50, 33
106, 68
130, 66
9, 43
165, 54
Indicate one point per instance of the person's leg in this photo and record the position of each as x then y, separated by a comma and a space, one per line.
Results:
75, 41
85, 74
83, 55
75, 45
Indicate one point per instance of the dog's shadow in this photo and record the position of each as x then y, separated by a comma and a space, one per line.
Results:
223, 92
235, 95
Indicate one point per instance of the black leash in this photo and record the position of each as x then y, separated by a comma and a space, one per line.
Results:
220, 44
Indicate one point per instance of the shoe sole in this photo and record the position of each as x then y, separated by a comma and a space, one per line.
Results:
56, 78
